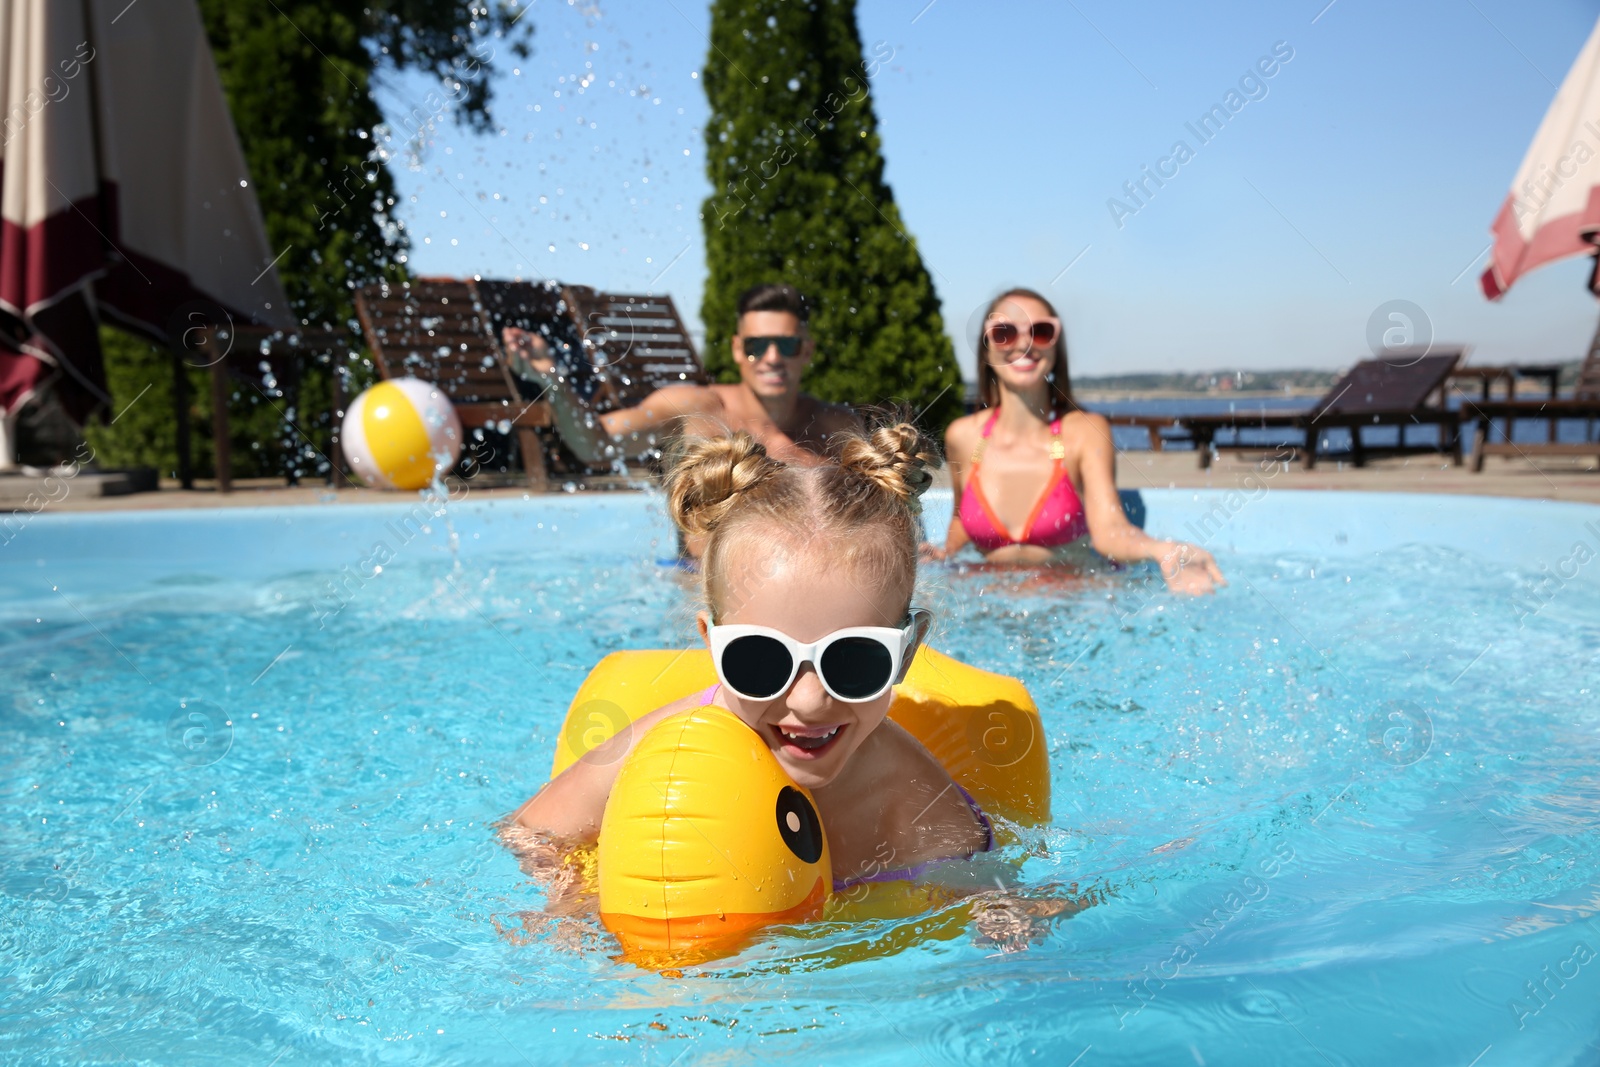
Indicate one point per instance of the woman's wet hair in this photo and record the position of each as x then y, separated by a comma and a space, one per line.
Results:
1061, 399
861, 507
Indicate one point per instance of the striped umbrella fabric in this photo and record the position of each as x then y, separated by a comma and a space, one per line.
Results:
124, 195
1553, 209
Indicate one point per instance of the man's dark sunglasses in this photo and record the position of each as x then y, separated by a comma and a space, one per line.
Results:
756, 347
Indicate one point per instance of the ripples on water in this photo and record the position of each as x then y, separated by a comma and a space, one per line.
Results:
1345, 806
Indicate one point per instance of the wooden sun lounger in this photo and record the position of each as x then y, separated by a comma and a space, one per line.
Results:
618, 348
637, 343
437, 330
1508, 376
1497, 418
1403, 390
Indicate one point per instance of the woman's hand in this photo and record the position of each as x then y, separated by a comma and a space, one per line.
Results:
1188, 569
528, 354
928, 552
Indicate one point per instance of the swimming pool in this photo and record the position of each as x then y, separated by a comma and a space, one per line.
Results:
1343, 812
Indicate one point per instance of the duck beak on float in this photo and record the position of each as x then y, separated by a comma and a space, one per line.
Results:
705, 841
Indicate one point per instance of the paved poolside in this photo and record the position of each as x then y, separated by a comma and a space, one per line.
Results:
1555, 478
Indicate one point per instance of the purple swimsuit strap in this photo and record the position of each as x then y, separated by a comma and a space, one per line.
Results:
979, 814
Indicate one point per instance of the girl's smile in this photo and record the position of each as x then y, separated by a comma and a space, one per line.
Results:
812, 735
808, 742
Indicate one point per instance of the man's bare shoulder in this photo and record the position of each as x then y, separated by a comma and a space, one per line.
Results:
830, 418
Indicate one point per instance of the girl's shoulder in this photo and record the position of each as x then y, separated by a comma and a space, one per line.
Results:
928, 809
644, 723
901, 757
683, 703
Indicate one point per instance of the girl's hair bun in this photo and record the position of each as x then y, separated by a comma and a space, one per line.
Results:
708, 475
894, 455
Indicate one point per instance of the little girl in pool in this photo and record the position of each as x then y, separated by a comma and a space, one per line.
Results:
808, 578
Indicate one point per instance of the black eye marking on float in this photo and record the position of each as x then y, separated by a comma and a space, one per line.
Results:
798, 825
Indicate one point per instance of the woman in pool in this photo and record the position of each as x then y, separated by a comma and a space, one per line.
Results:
1034, 462
808, 578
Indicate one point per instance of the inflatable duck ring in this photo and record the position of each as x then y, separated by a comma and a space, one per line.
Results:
705, 840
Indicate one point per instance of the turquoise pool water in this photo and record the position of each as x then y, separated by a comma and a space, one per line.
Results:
1344, 812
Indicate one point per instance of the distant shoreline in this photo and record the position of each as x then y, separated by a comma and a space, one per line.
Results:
1091, 396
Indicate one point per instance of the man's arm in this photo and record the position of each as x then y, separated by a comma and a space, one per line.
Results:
587, 434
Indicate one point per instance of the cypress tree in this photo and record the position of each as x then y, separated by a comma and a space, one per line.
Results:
798, 196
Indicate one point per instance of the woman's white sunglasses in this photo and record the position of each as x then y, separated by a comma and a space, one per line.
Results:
856, 664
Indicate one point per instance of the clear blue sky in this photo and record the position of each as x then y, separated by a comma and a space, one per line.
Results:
1369, 171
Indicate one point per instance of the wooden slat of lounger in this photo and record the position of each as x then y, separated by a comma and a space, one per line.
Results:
454, 339
1563, 407
521, 414
434, 330
637, 342
1533, 449
1397, 383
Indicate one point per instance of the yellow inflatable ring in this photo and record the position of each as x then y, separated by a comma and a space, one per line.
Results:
705, 839
982, 726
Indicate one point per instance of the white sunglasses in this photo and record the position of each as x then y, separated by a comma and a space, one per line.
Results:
855, 665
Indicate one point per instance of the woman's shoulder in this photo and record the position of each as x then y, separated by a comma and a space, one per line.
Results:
1080, 421
964, 428
1080, 417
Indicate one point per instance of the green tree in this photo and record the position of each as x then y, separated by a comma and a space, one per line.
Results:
298, 76
798, 195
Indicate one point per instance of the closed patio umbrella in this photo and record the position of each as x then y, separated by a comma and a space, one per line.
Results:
1553, 209
124, 195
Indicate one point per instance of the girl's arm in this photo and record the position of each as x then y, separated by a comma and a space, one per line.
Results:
1014, 922
569, 808
1187, 568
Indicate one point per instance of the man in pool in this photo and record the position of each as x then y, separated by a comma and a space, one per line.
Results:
771, 348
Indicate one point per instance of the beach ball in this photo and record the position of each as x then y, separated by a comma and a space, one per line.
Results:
401, 434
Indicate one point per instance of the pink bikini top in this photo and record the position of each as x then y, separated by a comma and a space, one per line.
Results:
1057, 518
